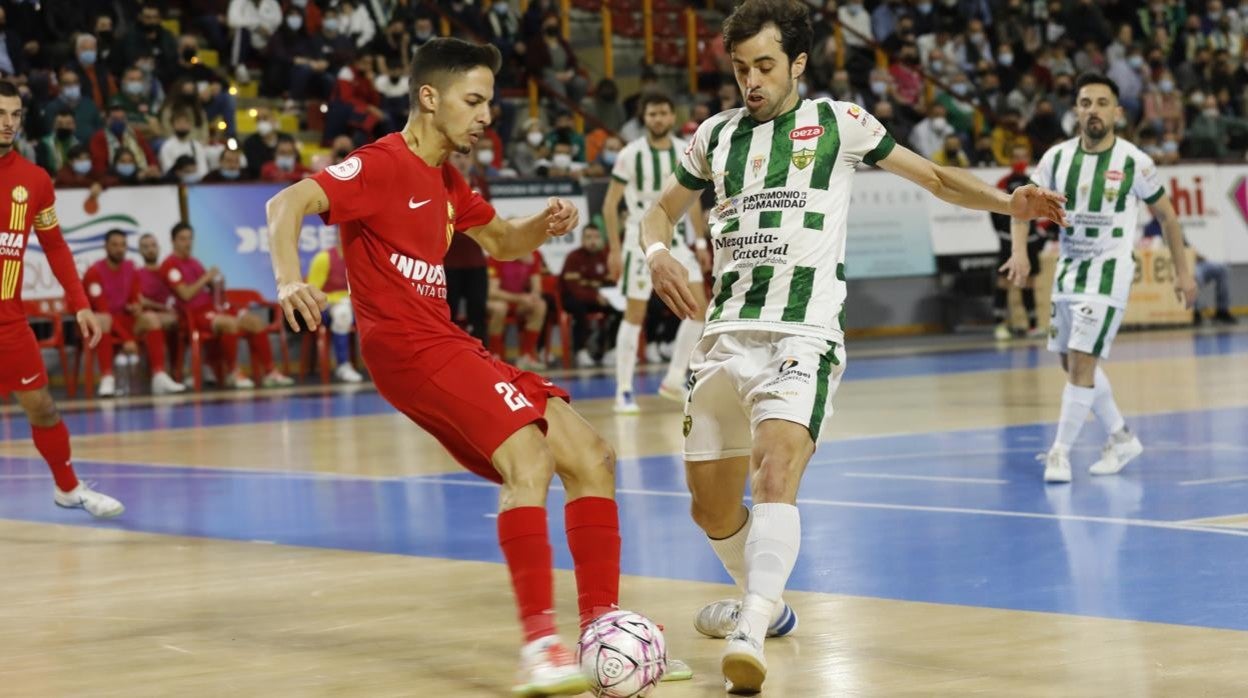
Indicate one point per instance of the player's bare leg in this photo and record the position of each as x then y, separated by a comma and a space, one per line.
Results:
150, 328
687, 336
226, 328
496, 311
533, 311
627, 339
257, 333
526, 465
52, 440
776, 464
104, 354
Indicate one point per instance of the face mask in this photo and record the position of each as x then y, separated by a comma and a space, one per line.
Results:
134, 88
924, 7
1212, 113
1166, 86
609, 157
1215, 14
299, 3
940, 123
1170, 147
534, 138
294, 22
331, 24
231, 174
485, 157
87, 58
424, 36
264, 128
879, 87
64, 133
71, 93
127, 169
285, 162
960, 89
1006, 59
977, 38
117, 128
82, 167
501, 8
1136, 62
342, 154
802, 90
182, 133
188, 178
562, 161
938, 66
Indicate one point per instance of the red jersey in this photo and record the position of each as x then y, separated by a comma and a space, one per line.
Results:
110, 288
186, 270
515, 276
396, 216
27, 201
153, 287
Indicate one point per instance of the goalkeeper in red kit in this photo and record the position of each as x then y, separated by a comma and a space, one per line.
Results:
398, 203
30, 204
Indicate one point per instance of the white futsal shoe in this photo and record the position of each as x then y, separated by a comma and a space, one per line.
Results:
1116, 454
108, 386
162, 384
547, 668
719, 619
625, 404
97, 504
743, 664
1056, 466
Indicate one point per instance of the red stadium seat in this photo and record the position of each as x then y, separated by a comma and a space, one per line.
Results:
53, 311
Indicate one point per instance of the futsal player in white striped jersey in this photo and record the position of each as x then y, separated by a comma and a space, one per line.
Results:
771, 355
637, 178
1105, 178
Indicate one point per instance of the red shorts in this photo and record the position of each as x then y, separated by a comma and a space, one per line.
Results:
471, 404
202, 319
22, 366
123, 327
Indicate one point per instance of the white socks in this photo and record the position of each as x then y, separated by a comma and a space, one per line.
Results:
1076, 403
770, 553
731, 552
1104, 407
687, 336
626, 341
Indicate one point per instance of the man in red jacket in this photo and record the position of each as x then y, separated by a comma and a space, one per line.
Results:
31, 203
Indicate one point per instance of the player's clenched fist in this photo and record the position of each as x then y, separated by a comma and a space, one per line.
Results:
306, 300
561, 217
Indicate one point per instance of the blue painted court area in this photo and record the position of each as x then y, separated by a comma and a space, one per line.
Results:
949, 517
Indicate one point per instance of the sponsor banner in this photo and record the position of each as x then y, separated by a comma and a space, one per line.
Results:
518, 198
1229, 197
231, 233
888, 228
962, 231
85, 220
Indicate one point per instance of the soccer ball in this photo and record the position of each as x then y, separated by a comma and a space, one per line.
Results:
623, 655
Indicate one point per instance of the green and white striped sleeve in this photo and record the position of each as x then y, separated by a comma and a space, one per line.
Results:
693, 168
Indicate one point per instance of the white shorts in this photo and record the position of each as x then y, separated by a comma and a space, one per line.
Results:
635, 277
1083, 325
744, 377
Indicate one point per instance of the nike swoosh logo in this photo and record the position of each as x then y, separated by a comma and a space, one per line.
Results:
411, 203
32, 379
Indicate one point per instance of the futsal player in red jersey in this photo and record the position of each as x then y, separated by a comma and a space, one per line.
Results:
27, 200
114, 289
399, 203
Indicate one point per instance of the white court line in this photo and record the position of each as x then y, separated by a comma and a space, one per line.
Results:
930, 478
1145, 523
1215, 480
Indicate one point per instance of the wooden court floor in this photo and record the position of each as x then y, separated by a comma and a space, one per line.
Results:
314, 543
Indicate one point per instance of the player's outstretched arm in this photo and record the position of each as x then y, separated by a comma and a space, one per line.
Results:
1184, 282
514, 238
1018, 267
285, 212
669, 277
961, 188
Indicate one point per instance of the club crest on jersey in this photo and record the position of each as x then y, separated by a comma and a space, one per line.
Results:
805, 133
802, 158
758, 163
854, 111
346, 169
1111, 194
20, 195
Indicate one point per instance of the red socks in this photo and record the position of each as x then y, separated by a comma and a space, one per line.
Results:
229, 351
155, 341
593, 527
525, 542
497, 346
528, 343
261, 352
53, 444
104, 352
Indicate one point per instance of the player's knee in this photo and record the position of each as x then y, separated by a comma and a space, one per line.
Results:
525, 462
779, 465
341, 318
715, 521
41, 410
595, 465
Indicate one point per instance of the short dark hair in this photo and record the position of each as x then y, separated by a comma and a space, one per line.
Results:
654, 98
791, 17
440, 58
1091, 78
179, 227
8, 89
112, 233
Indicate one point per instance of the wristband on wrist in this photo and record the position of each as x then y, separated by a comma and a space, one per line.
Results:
653, 249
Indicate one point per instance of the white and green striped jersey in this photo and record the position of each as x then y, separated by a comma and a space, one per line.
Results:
1103, 193
782, 193
643, 169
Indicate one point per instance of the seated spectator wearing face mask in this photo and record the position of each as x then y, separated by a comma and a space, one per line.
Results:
285, 166
230, 169
118, 136
77, 172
